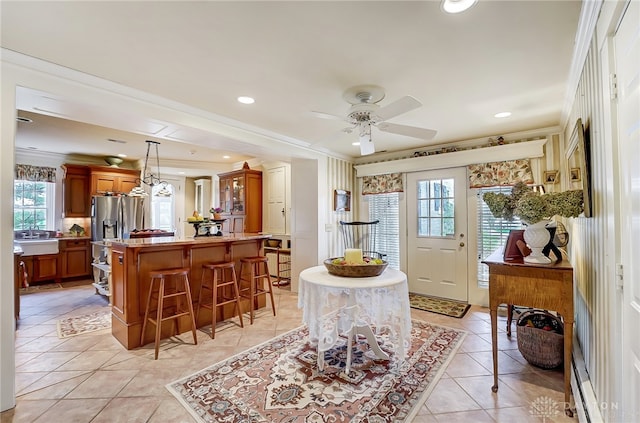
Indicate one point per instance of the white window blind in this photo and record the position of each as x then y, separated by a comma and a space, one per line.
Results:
492, 232
385, 208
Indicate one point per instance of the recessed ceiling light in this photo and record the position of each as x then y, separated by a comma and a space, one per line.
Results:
502, 115
116, 141
226, 157
355, 143
246, 100
180, 173
457, 6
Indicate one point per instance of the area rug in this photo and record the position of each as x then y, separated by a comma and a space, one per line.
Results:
279, 381
77, 325
438, 305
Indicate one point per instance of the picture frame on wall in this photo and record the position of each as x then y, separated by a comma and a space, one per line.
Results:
579, 164
341, 200
575, 174
551, 177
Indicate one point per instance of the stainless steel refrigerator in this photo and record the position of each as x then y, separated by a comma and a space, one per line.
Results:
115, 216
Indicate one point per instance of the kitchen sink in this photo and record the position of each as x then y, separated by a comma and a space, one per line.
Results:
36, 247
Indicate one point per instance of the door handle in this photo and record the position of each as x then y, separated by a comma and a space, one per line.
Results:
462, 244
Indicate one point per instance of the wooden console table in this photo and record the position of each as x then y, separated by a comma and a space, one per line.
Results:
544, 286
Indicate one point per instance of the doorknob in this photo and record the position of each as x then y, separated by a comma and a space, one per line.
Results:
462, 244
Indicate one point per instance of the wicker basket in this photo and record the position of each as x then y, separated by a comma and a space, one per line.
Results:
540, 347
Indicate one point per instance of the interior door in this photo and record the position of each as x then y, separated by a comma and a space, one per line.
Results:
437, 229
627, 55
276, 189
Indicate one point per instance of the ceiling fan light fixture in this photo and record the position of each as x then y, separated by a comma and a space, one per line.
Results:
457, 6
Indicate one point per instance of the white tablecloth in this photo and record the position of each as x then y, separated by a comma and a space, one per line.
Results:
334, 305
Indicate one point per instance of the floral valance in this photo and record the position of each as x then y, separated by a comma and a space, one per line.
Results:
35, 173
382, 184
500, 173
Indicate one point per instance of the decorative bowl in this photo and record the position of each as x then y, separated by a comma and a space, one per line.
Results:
354, 270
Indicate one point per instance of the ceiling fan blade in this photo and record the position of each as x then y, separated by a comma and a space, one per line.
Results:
398, 107
323, 115
409, 131
333, 136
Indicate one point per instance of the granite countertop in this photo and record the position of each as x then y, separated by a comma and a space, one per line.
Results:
173, 240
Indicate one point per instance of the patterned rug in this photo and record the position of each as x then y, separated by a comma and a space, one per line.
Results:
279, 381
438, 305
77, 325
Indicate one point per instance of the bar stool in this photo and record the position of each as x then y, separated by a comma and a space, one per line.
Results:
161, 278
255, 272
213, 283
283, 258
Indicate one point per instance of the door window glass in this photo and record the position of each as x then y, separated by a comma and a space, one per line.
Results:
436, 208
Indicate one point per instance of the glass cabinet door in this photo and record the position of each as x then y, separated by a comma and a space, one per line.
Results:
226, 195
238, 194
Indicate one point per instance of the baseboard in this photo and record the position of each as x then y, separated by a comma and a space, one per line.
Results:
585, 400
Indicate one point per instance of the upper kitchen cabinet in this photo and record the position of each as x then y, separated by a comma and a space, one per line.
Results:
241, 195
113, 180
75, 191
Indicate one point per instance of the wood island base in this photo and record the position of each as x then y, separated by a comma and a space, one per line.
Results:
133, 259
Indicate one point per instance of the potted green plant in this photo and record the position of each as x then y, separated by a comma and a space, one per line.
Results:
535, 210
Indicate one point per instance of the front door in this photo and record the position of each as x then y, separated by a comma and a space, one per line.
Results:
437, 233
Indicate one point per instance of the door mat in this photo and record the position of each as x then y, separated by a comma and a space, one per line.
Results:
279, 380
78, 325
438, 305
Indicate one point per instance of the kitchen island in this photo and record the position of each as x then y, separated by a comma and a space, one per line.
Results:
133, 259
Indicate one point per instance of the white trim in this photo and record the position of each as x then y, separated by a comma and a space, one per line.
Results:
527, 149
583, 394
586, 28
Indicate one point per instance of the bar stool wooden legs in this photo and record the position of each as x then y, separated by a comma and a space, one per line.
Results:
180, 291
213, 284
252, 270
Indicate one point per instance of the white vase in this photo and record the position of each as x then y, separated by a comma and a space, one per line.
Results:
537, 237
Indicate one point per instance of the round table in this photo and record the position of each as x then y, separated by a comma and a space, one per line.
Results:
335, 307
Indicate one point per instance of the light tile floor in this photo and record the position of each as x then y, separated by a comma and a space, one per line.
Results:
92, 378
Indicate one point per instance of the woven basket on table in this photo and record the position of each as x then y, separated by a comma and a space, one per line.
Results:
541, 348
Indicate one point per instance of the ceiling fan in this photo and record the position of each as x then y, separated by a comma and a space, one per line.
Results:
365, 113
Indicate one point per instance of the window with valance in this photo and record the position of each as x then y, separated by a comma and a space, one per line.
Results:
382, 184
35, 173
500, 173
33, 197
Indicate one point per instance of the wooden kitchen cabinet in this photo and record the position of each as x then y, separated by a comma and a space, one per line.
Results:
75, 191
113, 180
75, 257
82, 181
41, 267
241, 197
